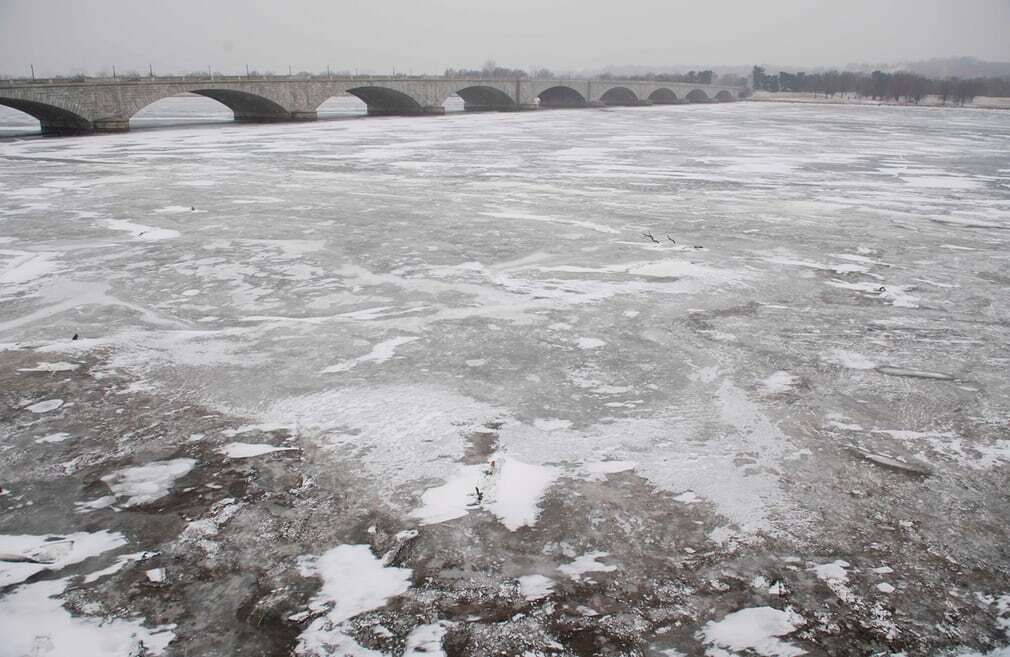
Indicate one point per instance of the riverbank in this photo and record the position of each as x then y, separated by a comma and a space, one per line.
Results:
981, 102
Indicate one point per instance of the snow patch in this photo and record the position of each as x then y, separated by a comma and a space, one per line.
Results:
757, 629
426, 641
779, 382
33, 621
850, 359
353, 581
608, 467
26, 267
50, 367
510, 489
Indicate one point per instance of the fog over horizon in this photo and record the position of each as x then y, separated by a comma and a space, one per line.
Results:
67, 36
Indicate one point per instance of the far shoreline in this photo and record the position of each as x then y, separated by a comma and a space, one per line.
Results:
806, 98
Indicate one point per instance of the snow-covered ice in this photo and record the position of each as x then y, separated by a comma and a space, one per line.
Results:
816, 350
26, 555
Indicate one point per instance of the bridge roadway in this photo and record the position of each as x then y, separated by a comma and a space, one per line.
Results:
67, 107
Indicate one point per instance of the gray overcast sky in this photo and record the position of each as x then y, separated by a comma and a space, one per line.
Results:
61, 36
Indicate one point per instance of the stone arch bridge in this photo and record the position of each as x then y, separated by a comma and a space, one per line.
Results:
89, 106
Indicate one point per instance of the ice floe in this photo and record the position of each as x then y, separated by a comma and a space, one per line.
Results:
380, 353
120, 563
912, 373
46, 406
535, 587
144, 484
140, 231
58, 437
249, 450
586, 563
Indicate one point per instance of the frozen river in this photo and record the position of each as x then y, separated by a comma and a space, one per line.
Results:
726, 377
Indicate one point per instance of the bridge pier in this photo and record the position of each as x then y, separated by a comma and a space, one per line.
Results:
522, 107
108, 126
433, 110
243, 117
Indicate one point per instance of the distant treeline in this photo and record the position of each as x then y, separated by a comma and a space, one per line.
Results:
698, 77
493, 71
910, 87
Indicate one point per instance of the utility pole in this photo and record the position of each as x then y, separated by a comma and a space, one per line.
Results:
247, 70
33, 72
150, 69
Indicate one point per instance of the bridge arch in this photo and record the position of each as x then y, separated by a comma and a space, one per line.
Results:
247, 106
383, 101
621, 96
480, 98
53, 119
724, 96
663, 96
180, 109
561, 96
697, 96
339, 105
